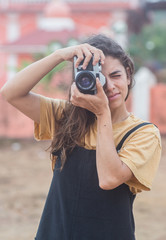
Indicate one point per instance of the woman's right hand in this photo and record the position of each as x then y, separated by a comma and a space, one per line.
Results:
82, 51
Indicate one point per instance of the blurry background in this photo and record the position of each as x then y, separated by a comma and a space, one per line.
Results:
30, 30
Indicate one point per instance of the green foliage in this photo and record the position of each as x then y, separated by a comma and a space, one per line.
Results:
47, 79
150, 44
52, 46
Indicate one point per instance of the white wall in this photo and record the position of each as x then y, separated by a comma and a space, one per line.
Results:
144, 81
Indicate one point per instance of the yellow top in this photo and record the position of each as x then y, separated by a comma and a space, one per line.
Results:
140, 152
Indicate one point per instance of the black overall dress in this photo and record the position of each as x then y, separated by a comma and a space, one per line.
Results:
78, 209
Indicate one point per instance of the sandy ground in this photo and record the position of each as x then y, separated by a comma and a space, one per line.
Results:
25, 176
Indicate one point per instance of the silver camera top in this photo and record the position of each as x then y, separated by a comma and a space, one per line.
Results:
86, 78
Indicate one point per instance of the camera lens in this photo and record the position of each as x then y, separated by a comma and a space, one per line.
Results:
85, 81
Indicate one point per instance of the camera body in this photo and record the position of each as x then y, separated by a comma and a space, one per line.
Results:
85, 79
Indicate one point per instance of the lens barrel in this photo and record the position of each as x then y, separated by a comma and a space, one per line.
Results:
85, 81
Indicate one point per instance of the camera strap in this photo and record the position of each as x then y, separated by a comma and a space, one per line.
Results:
128, 134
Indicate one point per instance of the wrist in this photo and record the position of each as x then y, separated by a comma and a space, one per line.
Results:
104, 122
104, 113
58, 54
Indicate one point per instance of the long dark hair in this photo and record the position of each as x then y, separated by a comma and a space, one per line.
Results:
75, 121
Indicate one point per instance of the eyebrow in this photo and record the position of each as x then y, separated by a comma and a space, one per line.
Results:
115, 72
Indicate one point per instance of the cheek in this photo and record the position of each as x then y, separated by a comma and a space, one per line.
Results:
124, 88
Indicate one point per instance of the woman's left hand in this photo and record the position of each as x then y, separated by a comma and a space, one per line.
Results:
97, 103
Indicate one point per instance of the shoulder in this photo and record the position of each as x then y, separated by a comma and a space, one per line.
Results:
52, 101
147, 128
51, 106
143, 132
50, 112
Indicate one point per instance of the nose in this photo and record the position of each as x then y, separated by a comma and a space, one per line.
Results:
109, 85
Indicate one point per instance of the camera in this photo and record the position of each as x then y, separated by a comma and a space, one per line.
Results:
85, 79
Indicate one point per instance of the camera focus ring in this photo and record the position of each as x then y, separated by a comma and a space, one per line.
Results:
85, 81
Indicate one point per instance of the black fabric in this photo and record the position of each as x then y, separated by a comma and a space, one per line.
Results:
78, 209
128, 134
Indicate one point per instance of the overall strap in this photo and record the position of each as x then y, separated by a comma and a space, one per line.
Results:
128, 133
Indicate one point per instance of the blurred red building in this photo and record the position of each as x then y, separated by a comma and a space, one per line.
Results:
27, 27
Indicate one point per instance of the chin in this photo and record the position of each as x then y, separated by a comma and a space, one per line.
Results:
116, 105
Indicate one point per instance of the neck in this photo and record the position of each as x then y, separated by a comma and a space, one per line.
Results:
119, 115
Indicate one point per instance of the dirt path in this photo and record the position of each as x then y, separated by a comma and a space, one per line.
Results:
25, 176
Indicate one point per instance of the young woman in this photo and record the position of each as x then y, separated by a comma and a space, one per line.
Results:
94, 186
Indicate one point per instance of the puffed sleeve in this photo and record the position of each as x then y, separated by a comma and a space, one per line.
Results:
142, 154
50, 111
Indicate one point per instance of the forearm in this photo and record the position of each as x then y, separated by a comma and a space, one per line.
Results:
26, 79
109, 166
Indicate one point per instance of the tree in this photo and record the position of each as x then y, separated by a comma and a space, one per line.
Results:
148, 47
59, 78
